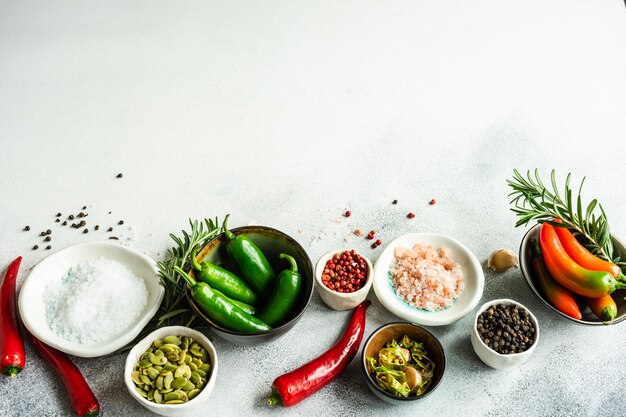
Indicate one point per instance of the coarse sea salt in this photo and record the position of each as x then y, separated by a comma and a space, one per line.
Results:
94, 301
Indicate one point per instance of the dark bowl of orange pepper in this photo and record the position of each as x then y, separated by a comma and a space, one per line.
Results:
560, 300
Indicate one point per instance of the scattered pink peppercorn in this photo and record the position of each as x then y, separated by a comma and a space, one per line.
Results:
376, 244
348, 213
410, 215
433, 202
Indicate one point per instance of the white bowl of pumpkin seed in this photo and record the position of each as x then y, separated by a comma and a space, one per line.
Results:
172, 371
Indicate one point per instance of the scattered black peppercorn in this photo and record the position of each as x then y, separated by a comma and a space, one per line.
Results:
506, 328
57, 220
58, 214
84, 207
81, 215
27, 228
42, 234
86, 230
71, 217
394, 202
35, 247
119, 175
48, 232
82, 223
110, 229
64, 223
120, 222
97, 227
114, 238
47, 239
48, 247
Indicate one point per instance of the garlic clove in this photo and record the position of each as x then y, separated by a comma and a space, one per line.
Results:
502, 259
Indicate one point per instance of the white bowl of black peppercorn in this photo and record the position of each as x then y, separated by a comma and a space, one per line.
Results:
506, 335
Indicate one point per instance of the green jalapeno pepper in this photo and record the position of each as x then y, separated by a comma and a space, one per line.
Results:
224, 281
283, 300
220, 308
252, 310
255, 268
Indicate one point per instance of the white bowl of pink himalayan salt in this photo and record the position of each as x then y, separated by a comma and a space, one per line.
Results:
429, 279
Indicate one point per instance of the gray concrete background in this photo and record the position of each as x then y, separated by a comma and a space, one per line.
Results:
286, 114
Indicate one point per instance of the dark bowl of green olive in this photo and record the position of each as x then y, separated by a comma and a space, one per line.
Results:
283, 254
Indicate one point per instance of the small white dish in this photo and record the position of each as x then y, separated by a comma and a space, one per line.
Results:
337, 300
31, 298
492, 358
473, 278
172, 410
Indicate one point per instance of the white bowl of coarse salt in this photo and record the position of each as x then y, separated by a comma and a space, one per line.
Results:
428, 278
90, 299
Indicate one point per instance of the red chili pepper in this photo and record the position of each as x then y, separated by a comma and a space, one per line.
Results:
559, 297
12, 356
583, 257
591, 284
82, 397
603, 307
293, 387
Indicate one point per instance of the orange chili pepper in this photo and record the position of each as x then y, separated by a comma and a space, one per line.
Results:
603, 307
583, 257
591, 284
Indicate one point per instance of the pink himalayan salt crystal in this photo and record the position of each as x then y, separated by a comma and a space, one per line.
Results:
425, 277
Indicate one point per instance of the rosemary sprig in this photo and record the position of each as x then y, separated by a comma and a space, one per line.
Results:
532, 200
174, 309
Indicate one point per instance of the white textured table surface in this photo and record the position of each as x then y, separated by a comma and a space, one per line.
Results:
286, 113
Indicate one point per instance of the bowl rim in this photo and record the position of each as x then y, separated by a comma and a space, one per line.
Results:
101, 348
241, 230
319, 268
526, 274
418, 316
131, 361
488, 304
387, 394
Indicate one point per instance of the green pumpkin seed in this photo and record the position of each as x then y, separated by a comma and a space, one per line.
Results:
165, 391
194, 377
153, 373
181, 357
192, 366
145, 364
157, 343
192, 394
141, 392
150, 396
200, 385
159, 382
200, 372
145, 379
188, 386
205, 367
180, 371
167, 382
175, 395
158, 397
174, 402
170, 367
179, 383
195, 350
136, 377
174, 340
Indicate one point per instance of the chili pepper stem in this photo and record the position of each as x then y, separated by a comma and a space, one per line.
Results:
229, 235
292, 262
194, 261
91, 414
192, 283
12, 371
274, 399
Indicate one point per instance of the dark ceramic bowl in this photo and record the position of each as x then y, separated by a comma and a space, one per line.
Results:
272, 242
397, 330
526, 257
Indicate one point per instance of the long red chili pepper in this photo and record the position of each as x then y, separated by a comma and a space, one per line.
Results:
591, 284
559, 297
583, 257
12, 356
83, 400
293, 387
604, 307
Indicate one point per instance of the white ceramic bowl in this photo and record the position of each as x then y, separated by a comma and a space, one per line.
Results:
492, 358
171, 410
337, 300
31, 301
473, 277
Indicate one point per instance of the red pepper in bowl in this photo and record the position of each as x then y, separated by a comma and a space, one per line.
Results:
12, 356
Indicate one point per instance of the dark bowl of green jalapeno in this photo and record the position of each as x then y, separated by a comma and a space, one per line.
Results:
277, 247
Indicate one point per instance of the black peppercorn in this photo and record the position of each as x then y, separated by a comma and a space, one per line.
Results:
27, 228
48, 247
119, 175
48, 239
120, 222
35, 247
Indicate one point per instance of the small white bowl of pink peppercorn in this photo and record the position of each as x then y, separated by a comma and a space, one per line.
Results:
343, 278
